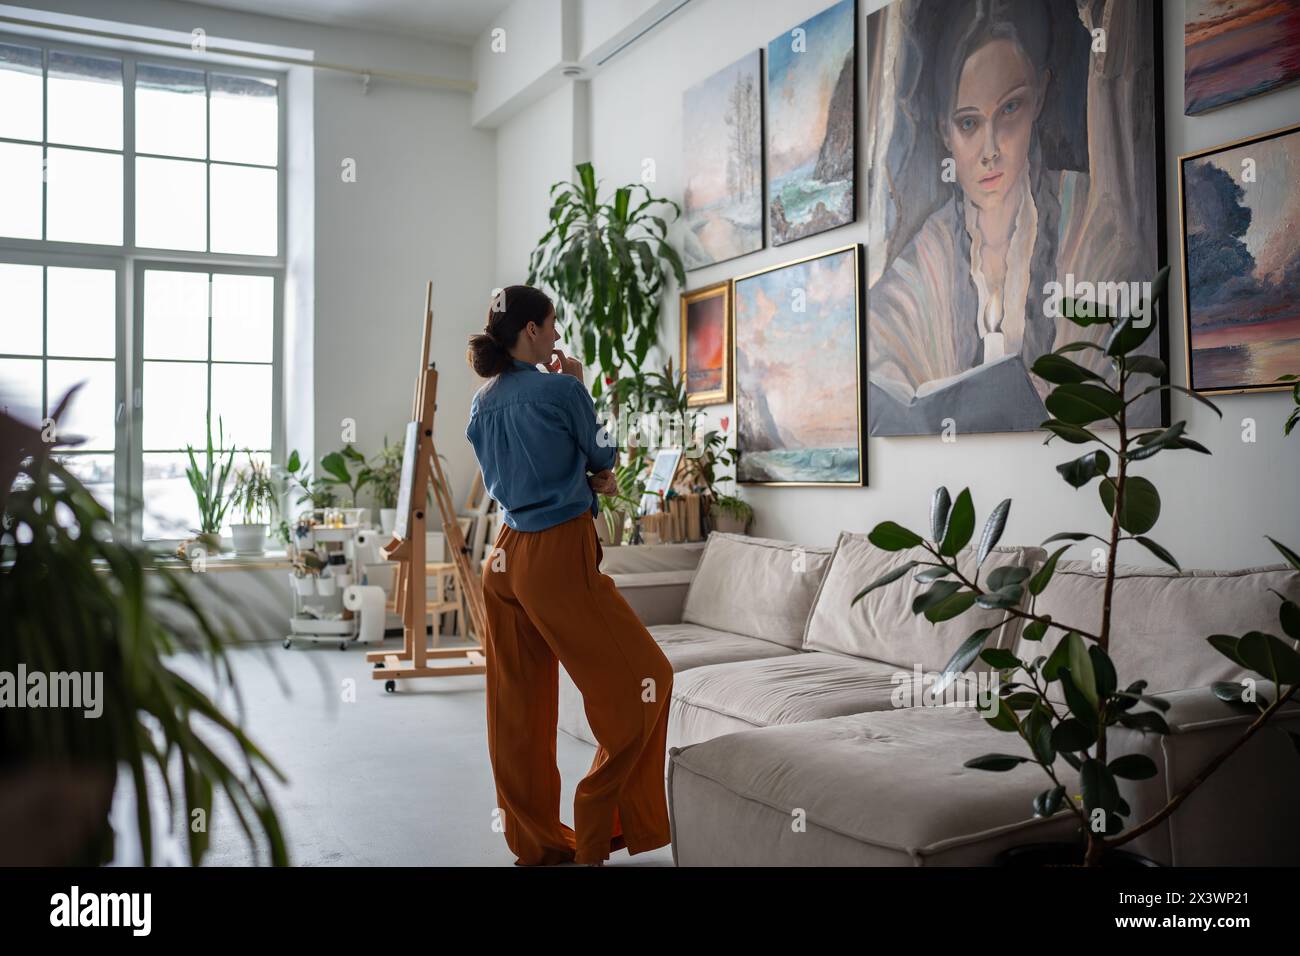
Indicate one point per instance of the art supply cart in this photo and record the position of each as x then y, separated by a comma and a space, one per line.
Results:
319, 611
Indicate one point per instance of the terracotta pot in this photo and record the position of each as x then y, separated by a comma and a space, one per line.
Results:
723, 521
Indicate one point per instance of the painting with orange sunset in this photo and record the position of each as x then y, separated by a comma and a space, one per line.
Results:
1242, 264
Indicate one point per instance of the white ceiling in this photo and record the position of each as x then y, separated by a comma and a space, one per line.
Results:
457, 21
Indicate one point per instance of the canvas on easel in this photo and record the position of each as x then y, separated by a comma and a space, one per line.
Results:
422, 473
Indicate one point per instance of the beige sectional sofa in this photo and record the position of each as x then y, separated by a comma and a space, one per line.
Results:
788, 744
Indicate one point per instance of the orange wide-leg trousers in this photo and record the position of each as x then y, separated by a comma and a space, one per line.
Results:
548, 604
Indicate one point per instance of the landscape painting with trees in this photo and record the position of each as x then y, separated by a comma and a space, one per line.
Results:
722, 135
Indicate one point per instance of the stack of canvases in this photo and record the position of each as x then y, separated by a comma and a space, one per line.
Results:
1013, 153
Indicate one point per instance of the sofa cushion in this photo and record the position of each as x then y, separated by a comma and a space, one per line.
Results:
1160, 619
875, 789
724, 698
882, 626
760, 587
686, 646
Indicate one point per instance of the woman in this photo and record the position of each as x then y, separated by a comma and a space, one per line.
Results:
1012, 228
537, 439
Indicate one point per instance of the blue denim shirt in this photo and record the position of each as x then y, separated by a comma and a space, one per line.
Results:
536, 436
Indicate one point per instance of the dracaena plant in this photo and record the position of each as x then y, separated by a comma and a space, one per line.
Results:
606, 261
1096, 699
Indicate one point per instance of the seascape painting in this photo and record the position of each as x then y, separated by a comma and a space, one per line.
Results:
1242, 263
797, 357
811, 124
1234, 49
706, 344
1008, 170
722, 142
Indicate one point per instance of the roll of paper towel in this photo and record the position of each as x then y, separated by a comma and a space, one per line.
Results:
368, 548
368, 601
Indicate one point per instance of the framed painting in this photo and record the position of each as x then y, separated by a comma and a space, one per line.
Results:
812, 125
706, 344
1008, 169
1239, 204
1234, 49
722, 146
798, 364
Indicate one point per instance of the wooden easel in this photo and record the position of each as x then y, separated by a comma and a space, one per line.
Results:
421, 470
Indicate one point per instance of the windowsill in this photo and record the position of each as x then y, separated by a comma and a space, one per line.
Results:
268, 561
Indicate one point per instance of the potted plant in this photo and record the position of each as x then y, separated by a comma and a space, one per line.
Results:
614, 509
1097, 698
134, 615
606, 263
730, 514
385, 478
209, 486
339, 466
254, 497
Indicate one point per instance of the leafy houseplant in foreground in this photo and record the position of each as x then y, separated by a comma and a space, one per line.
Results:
76, 601
1095, 697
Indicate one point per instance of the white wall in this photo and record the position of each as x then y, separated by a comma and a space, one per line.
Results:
1217, 509
423, 207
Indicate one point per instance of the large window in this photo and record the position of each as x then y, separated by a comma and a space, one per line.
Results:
141, 252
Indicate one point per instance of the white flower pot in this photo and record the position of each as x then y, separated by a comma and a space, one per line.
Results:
342, 581
387, 518
249, 538
325, 586
306, 585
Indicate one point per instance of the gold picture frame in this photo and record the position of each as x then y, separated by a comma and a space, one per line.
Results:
855, 249
713, 396
1186, 272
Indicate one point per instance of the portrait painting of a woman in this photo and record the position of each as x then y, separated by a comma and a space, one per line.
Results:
1013, 154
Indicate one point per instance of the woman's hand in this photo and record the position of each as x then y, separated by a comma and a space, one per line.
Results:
566, 364
603, 482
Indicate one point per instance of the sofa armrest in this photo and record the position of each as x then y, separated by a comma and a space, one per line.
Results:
1243, 815
657, 597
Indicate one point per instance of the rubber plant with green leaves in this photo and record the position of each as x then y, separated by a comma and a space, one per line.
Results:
78, 598
338, 471
1080, 664
606, 262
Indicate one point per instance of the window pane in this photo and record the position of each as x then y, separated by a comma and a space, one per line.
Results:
85, 196
175, 403
93, 408
20, 191
171, 204
169, 507
85, 100
241, 395
245, 119
20, 92
170, 111
244, 210
20, 309
20, 389
82, 312
241, 318
96, 473
175, 314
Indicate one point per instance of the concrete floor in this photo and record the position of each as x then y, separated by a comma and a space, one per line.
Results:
399, 779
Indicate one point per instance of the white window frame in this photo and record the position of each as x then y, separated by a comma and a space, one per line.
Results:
130, 261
